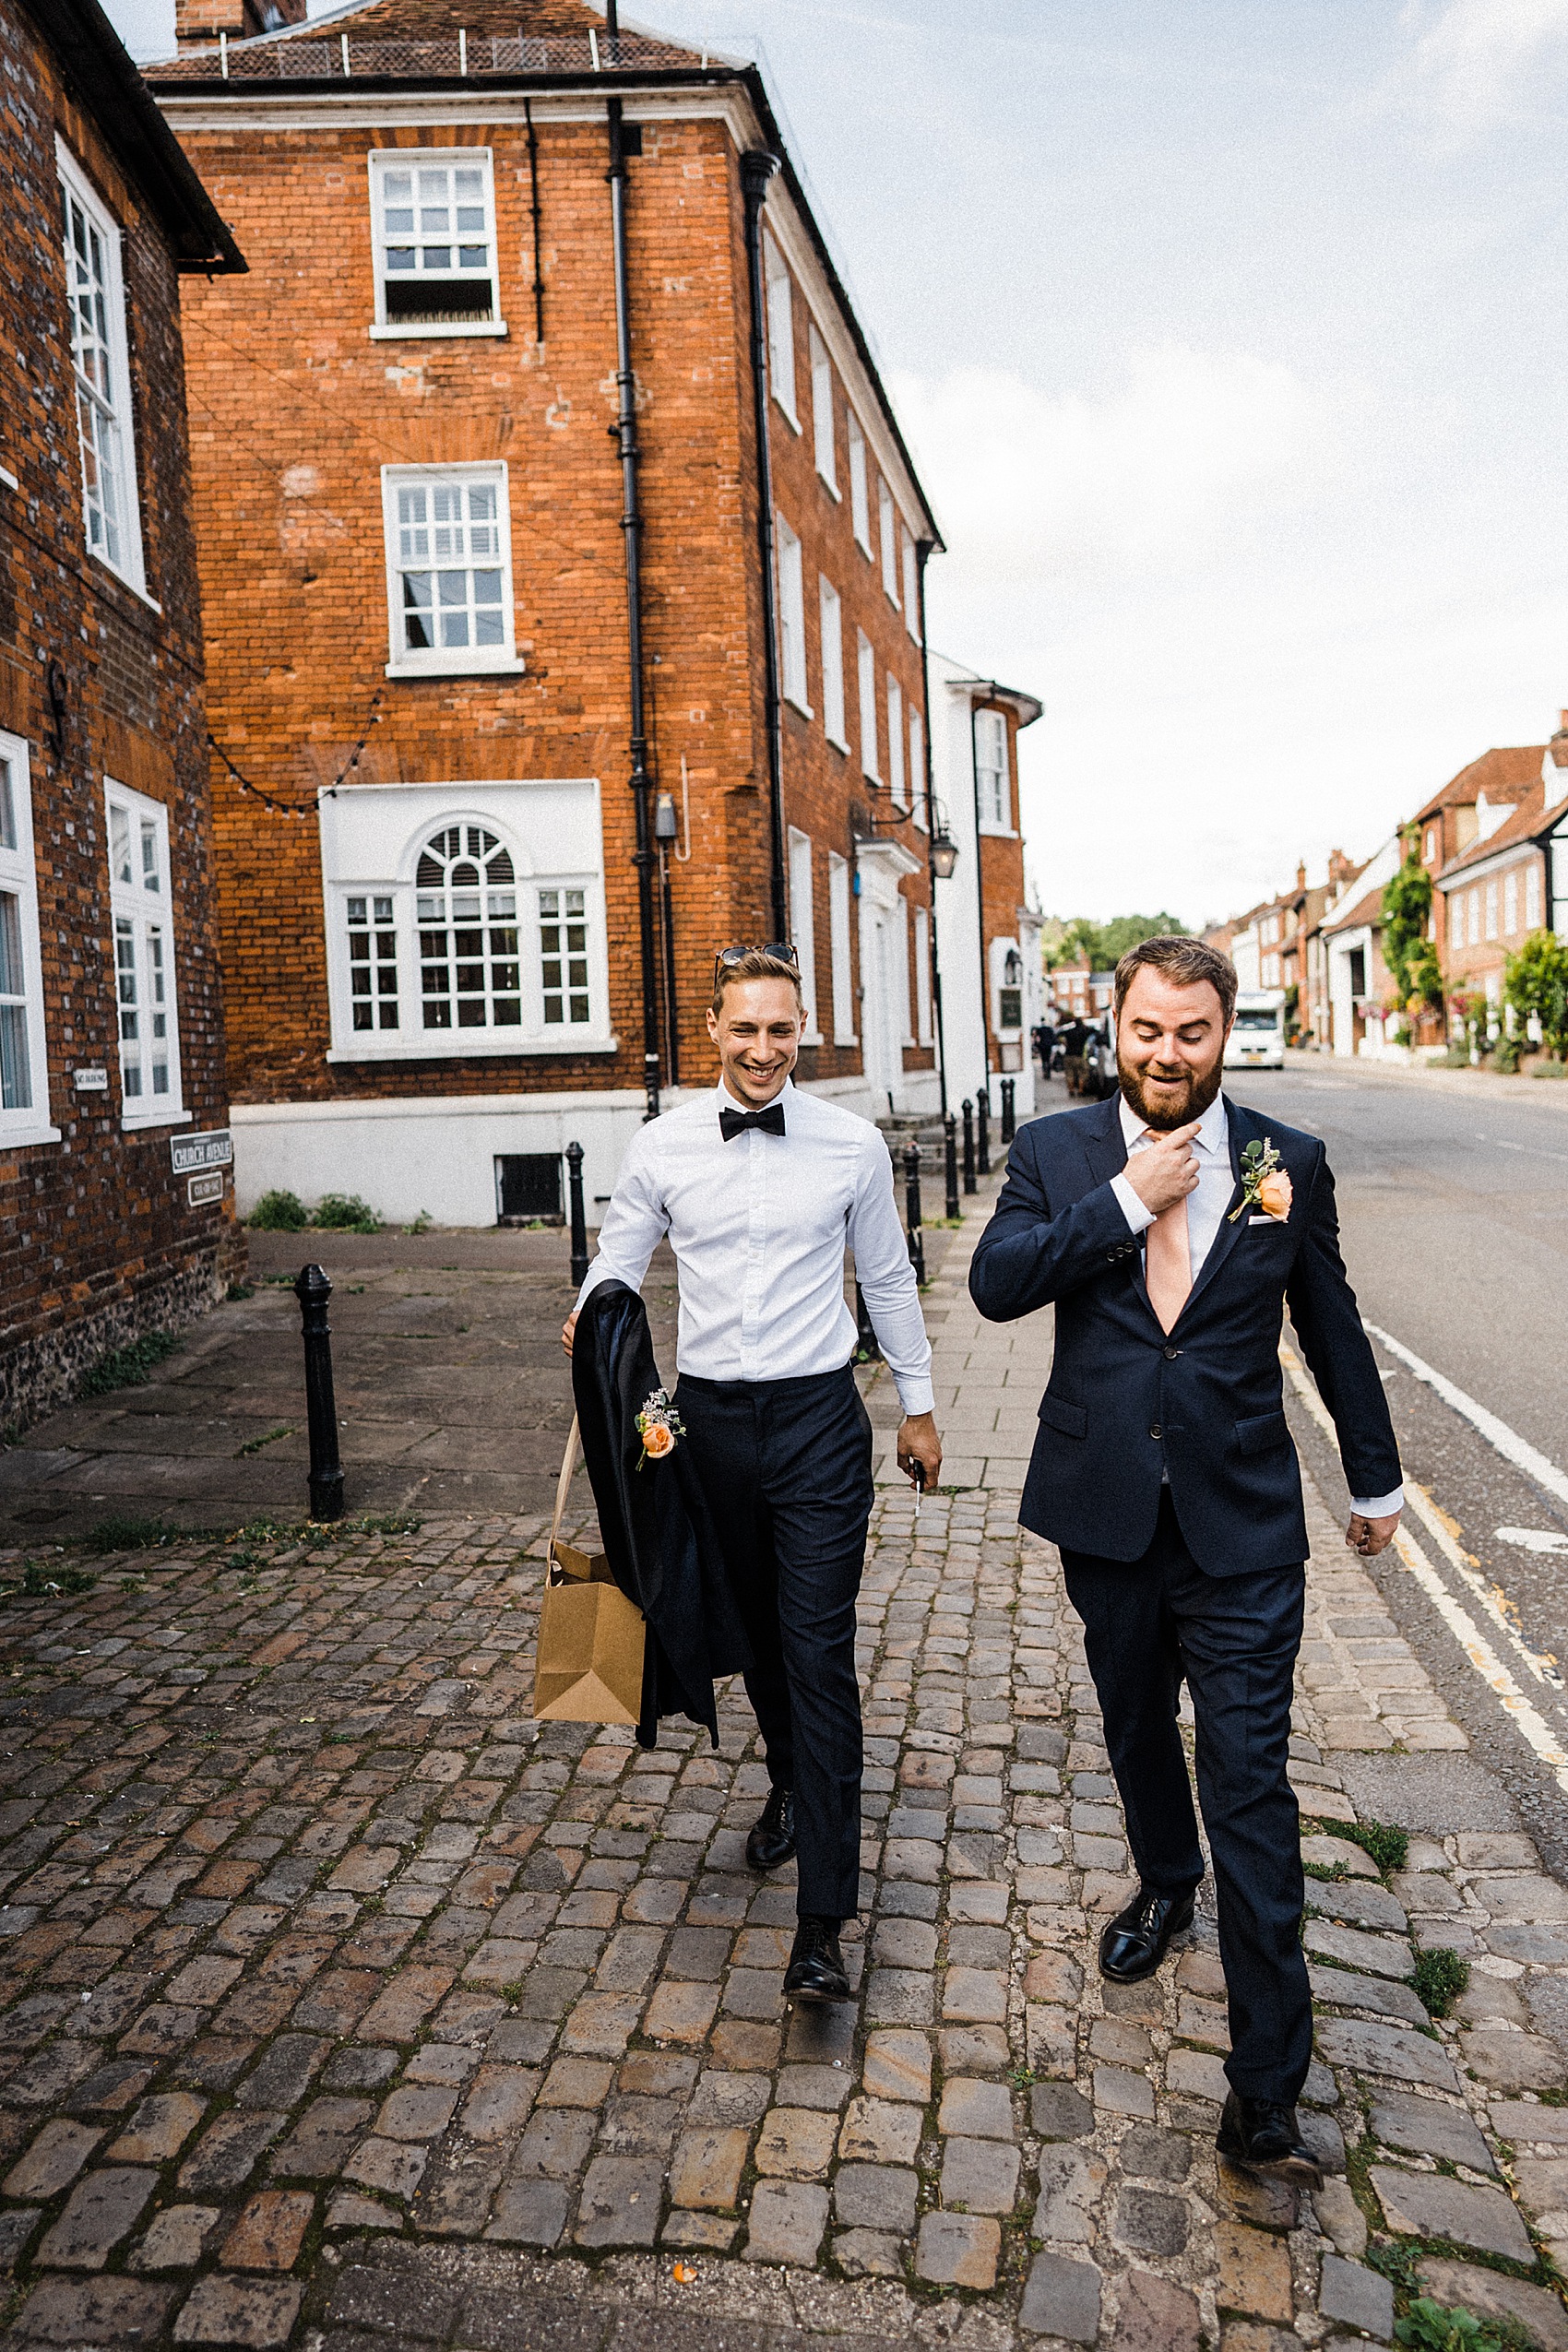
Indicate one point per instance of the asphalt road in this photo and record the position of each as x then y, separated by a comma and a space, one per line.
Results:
1454, 1217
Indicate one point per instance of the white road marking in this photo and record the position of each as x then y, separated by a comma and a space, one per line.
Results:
1536, 1151
1532, 1725
1534, 1538
1508, 1443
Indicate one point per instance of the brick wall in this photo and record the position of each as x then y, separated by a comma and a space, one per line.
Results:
97, 1241
296, 409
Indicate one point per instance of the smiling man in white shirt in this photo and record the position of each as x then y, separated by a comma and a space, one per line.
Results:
759, 1189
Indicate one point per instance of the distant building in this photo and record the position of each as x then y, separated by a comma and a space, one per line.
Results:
115, 1216
1509, 879
989, 935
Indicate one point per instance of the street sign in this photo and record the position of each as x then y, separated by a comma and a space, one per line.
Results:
91, 1081
215, 1149
205, 1188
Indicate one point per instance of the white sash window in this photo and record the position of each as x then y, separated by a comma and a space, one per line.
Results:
144, 958
448, 570
432, 223
24, 1069
99, 358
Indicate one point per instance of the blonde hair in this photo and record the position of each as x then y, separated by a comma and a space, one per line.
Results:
755, 964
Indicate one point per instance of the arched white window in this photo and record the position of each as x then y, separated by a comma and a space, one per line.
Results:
470, 974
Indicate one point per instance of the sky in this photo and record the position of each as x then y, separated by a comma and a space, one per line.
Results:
1226, 339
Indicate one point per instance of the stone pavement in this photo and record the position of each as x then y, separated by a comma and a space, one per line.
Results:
341, 2005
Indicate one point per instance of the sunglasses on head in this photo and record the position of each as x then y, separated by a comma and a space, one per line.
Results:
727, 957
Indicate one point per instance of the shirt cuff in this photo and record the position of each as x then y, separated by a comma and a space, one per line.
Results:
915, 1392
1379, 1506
1139, 1215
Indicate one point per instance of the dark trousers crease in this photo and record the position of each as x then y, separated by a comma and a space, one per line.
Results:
1148, 1625
786, 1470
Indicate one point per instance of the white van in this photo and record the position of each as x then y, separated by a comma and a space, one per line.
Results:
1257, 1039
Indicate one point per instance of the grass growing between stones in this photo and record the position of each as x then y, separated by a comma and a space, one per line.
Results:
1440, 2327
1439, 1977
1387, 1845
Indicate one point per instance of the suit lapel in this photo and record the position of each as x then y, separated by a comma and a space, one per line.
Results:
1230, 1229
1105, 1148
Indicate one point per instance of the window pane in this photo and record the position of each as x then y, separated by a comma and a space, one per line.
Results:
120, 844
16, 1078
468, 967
7, 808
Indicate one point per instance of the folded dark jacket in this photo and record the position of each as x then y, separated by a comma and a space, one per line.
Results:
653, 1521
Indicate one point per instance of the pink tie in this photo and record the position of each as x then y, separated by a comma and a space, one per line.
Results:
1168, 1262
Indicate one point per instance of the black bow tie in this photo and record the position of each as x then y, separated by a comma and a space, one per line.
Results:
741, 1122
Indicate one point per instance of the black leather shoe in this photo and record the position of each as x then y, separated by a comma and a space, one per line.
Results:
1134, 1943
1262, 2135
816, 1970
772, 1841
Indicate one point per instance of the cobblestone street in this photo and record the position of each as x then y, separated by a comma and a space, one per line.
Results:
344, 2006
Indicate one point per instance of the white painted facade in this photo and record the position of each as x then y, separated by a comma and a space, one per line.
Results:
973, 970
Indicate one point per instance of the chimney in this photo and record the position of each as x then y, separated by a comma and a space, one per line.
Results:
1301, 873
1341, 869
1562, 724
198, 23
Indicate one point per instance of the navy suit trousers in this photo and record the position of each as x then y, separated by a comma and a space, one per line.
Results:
785, 1468
1149, 1624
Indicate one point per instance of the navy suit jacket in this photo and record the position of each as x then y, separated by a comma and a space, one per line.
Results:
1127, 1402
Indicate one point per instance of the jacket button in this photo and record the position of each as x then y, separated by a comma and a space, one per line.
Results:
1154, 1429
1170, 1354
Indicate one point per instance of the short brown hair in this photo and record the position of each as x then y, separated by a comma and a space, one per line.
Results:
1183, 960
754, 965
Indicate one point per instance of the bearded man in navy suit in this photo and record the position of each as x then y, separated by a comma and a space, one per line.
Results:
1167, 1228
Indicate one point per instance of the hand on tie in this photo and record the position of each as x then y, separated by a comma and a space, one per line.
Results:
1166, 1169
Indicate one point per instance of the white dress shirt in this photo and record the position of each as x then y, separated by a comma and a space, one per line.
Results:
759, 1225
1205, 1214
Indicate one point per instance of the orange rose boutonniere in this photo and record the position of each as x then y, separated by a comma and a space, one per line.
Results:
658, 1425
1265, 1184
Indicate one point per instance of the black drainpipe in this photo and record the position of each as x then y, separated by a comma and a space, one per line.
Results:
625, 435
923, 549
757, 169
533, 207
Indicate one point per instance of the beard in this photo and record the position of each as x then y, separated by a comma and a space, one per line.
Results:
1197, 1089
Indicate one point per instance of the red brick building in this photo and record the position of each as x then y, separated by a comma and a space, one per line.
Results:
416, 447
1506, 870
112, 1073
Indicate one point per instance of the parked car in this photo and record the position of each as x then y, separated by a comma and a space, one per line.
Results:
1258, 1039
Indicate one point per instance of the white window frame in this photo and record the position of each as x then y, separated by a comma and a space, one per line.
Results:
896, 744
830, 607
22, 988
111, 525
866, 665
792, 615
1475, 906
449, 662
911, 590
860, 486
1532, 896
803, 927
823, 448
888, 530
780, 330
403, 159
992, 820
922, 976
903, 1007
1491, 907
917, 766
1511, 903
141, 920
371, 844
838, 944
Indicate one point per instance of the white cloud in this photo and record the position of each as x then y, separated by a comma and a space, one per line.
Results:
1185, 459
1475, 57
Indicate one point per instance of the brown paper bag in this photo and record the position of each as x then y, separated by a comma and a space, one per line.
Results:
589, 1666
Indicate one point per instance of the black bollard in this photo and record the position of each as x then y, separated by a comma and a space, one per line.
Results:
868, 1349
1009, 1113
312, 1291
982, 1129
969, 1144
579, 1222
912, 1209
951, 1126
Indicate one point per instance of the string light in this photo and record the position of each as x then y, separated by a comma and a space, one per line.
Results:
302, 809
